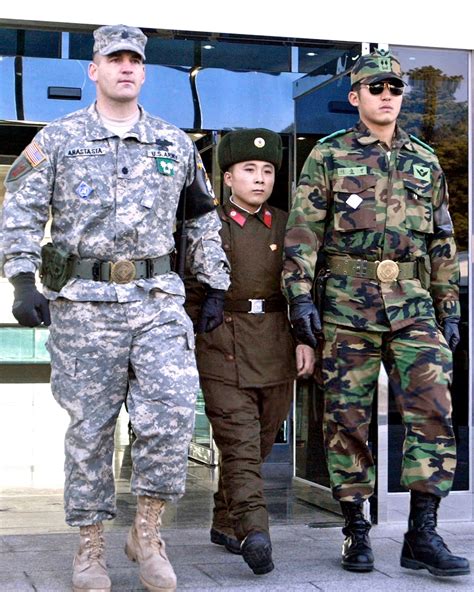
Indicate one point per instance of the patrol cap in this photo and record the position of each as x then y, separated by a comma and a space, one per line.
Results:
249, 144
112, 38
376, 66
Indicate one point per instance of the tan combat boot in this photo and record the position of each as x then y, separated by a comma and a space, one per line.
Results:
145, 545
89, 569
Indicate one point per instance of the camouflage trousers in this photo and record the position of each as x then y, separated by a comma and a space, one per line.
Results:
419, 367
93, 345
245, 423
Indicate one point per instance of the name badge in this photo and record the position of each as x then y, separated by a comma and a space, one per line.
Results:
86, 151
352, 171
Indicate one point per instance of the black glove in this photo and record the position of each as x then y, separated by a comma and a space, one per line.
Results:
305, 319
451, 332
212, 311
30, 307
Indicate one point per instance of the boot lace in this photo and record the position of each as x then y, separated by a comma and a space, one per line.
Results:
94, 543
152, 524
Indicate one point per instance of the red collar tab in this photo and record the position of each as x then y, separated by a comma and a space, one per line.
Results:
237, 217
267, 218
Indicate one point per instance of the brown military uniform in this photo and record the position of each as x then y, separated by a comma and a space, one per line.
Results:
247, 365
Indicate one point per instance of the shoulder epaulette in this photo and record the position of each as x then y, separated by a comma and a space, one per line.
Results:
333, 135
418, 141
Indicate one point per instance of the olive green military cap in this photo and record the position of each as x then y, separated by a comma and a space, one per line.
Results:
249, 144
112, 38
376, 66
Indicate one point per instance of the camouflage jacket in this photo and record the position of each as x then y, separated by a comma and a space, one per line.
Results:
109, 198
357, 199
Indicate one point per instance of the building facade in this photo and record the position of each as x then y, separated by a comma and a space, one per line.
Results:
208, 83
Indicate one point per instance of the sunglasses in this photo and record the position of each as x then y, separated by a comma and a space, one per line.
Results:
377, 88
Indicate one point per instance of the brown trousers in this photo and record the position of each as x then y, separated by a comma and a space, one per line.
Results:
245, 423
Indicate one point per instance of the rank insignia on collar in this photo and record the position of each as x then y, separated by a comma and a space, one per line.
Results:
237, 217
267, 218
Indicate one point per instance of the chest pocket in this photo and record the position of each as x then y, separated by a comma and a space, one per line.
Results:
354, 203
419, 206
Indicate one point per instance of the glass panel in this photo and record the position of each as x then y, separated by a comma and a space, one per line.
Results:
332, 59
41, 44
170, 52
310, 460
325, 110
245, 56
202, 427
166, 92
245, 99
44, 44
80, 46
21, 345
7, 84
435, 108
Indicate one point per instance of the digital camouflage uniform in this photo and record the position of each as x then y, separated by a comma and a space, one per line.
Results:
358, 203
113, 199
247, 365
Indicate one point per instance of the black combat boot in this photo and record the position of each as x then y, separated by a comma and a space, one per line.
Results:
356, 550
230, 543
423, 547
257, 552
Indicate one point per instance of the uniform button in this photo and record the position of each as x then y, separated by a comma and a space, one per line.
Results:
228, 319
125, 171
226, 246
229, 357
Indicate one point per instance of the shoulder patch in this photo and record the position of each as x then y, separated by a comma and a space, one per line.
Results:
333, 135
19, 168
421, 143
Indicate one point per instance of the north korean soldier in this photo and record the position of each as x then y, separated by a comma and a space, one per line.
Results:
373, 201
112, 175
247, 365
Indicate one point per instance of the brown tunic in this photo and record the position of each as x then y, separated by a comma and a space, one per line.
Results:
249, 350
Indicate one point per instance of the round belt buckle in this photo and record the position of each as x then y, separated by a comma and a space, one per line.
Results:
387, 271
122, 271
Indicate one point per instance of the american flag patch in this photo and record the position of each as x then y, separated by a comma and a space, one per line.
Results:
33, 154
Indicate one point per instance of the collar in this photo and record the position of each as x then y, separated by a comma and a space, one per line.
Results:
365, 137
142, 130
240, 215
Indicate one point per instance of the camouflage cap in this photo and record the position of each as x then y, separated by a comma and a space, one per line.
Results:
112, 38
249, 144
376, 66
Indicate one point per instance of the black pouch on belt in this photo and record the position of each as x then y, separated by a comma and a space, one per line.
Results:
56, 267
423, 268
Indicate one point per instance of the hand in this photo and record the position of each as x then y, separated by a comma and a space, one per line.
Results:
30, 307
305, 359
212, 311
305, 320
451, 332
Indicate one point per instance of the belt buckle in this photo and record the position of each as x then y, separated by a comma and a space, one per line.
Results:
387, 271
257, 305
122, 271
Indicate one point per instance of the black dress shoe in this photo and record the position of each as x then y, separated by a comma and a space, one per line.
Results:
219, 538
257, 552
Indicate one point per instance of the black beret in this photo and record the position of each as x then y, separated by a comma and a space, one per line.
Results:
249, 144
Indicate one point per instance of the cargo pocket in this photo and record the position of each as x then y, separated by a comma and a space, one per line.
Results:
354, 203
419, 206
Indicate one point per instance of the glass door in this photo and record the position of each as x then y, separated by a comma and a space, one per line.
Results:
202, 447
